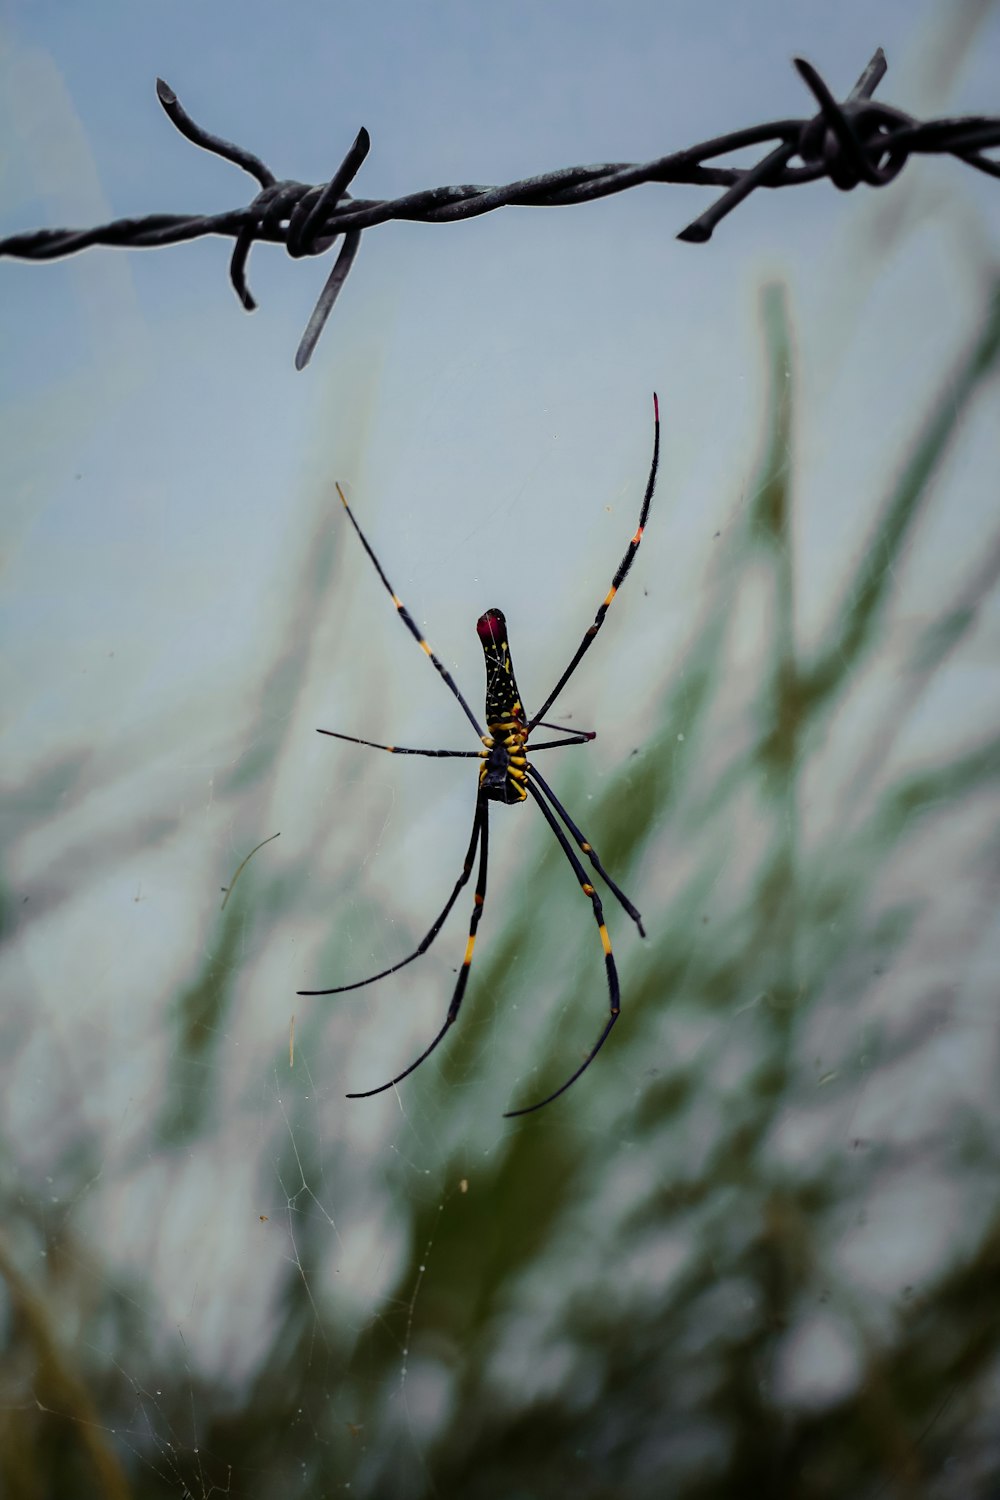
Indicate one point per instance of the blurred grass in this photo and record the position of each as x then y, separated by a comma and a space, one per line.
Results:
606, 1300
673, 1384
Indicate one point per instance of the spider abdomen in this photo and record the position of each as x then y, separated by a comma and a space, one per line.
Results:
504, 771
503, 701
505, 766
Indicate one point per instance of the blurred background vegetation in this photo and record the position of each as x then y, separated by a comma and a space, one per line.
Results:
755, 1250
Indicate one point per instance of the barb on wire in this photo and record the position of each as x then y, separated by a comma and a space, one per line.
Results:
858, 141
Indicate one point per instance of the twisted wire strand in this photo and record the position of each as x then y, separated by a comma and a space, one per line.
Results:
858, 141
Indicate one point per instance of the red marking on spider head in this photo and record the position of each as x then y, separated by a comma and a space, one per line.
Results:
492, 627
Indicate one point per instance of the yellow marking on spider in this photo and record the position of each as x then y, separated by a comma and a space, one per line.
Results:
585, 846
637, 538
588, 890
466, 961
341, 494
605, 940
397, 601
611, 594
424, 647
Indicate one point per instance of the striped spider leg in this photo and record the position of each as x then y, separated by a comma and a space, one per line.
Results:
507, 775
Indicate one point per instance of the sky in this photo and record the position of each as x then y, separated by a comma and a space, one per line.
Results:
477, 380
483, 389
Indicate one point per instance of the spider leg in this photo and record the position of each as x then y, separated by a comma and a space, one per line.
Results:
409, 621
425, 942
589, 850
619, 577
586, 734
577, 739
480, 832
352, 739
614, 992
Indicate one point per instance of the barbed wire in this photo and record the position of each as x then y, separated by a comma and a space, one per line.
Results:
858, 141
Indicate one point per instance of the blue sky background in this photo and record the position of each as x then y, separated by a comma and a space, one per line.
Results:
483, 388
501, 366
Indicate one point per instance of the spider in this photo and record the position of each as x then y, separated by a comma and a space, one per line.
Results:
506, 775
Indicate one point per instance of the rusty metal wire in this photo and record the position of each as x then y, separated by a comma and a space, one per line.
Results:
858, 141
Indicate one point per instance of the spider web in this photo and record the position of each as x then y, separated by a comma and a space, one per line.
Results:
771, 1192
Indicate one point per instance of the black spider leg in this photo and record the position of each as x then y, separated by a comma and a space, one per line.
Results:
409, 621
614, 991
588, 849
481, 829
425, 942
619, 578
586, 734
352, 739
577, 739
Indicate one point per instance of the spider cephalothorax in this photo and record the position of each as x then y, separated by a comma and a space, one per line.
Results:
505, 775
